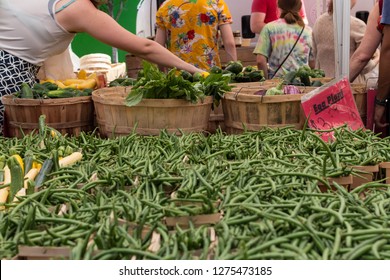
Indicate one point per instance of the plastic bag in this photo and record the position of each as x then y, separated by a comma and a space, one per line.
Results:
330, 106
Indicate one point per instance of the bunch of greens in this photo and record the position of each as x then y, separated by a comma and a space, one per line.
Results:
215, 85
158, 85
152, 83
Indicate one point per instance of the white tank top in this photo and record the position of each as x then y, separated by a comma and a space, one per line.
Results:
29, 30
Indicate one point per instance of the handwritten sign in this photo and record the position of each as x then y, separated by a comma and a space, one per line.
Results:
332, 105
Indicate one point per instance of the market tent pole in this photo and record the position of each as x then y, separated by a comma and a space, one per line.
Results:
341, 23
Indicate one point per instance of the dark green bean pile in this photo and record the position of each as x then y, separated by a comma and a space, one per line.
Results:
264, 184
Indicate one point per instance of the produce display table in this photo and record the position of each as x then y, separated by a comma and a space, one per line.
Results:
274, 194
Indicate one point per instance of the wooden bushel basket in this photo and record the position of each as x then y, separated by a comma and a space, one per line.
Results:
243, 109
68, 115
216, 120
359, 92
148, 117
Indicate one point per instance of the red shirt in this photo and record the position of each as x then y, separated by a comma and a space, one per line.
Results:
270, 9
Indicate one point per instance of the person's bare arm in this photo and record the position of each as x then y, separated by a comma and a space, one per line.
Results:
228, 41
383, 81
161, 37
262, 64
312, 64
257, 22
82, 16
368, 46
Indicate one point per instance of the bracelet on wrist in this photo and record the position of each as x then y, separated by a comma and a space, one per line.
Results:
380, 102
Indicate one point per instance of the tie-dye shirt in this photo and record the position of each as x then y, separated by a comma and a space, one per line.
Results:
192, 29
277, 39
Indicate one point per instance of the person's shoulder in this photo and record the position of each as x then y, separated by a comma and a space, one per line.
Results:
357, 22
276, 25
308, 28
323, 21
323, 18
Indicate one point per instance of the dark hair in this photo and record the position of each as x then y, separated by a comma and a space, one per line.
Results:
330, 7
290, 11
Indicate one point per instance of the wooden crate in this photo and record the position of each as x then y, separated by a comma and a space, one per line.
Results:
197, 220
386, 168
43, 253
366, 175
148, 117
345, 181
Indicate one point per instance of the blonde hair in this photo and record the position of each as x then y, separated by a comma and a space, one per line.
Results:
290, 11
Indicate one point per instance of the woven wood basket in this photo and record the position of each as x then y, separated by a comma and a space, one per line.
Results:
359, 92
148, 117
244, 110
216, 120
67, 115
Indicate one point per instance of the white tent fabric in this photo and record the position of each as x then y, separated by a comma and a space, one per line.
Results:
341, 18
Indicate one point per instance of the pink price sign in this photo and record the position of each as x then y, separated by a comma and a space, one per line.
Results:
332, 105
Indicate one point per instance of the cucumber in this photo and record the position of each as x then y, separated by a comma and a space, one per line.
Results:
60, 93
26, 91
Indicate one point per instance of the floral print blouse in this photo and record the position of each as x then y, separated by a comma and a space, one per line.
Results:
192, 29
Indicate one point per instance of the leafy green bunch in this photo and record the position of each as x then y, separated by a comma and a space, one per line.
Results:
158, 85
216, 85
153, 83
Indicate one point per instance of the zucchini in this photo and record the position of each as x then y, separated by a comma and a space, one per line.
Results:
5, 191
71, 159
55, 158
316, 84
256, 76
215, 70
234, 67
2, 165
28, 161
15, 164
30, 186
42, 174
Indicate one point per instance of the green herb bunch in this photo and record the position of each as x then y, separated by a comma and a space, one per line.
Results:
153, 83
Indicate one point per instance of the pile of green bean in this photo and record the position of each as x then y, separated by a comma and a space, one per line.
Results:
264, 184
